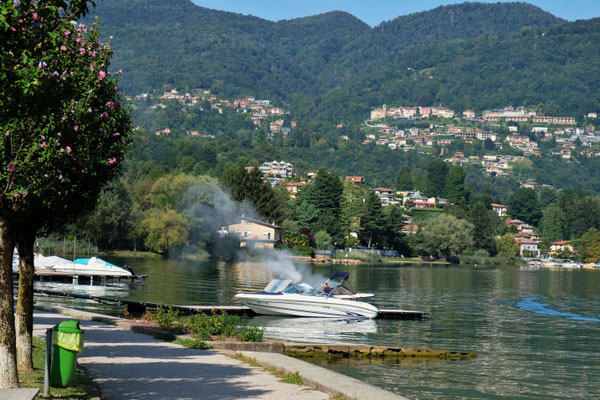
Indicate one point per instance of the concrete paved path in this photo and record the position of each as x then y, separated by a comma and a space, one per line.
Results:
128, 365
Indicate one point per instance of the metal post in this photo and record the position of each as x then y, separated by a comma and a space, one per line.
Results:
48, 359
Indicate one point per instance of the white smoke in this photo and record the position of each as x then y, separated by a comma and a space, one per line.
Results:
211, 209
280, 265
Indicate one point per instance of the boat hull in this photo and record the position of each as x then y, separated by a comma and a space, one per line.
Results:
307, 306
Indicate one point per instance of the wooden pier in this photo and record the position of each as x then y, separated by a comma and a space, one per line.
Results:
135, 306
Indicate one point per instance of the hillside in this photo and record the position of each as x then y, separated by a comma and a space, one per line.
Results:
179, 43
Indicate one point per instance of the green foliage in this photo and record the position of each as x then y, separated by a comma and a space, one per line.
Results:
251, 186
455, 184
192, 343
437, 172
507, 246
319, 204
590, 242
303, 251
372, 222
484, 225
293, 378
250, 334
404, 179
164, 229
64, 127
166, 316
523, 204
445, 235
222, 325
323, 241
553, 224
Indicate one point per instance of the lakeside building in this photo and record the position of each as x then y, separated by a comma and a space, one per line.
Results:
255, 233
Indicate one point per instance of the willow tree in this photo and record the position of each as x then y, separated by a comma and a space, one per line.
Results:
63, 132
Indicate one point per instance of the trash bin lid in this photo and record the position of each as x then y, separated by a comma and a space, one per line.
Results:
70, 326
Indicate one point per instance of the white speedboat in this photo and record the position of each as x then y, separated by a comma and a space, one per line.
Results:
279, 298
92, 266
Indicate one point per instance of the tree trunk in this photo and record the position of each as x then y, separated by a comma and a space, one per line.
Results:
25, 302
8, 360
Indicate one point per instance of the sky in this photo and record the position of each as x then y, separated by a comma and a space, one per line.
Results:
374, 12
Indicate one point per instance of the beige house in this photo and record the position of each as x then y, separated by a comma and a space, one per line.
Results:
256, 233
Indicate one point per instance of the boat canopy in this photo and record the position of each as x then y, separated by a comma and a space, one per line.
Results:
340, 274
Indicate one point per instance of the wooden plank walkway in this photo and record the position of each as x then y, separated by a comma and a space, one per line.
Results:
141, 306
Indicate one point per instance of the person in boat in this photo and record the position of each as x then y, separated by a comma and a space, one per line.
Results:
326, 290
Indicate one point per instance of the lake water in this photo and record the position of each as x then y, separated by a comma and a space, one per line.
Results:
536, 331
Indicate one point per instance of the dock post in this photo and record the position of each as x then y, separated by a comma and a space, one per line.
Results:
92, 280
75, 280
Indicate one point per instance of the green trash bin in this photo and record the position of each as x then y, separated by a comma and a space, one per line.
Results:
68, 341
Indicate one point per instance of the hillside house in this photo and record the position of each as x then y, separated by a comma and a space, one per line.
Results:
528, 247
500, 209
560, 246
255, 233
385, 195
359, 180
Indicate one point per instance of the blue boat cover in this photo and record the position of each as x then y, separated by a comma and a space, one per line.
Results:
340, 274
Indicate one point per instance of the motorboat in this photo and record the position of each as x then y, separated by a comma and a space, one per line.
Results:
302, 300
92, 266
335, 286
51, 262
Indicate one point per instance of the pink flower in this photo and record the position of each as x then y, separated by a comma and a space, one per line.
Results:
43, 144
16, 194
67, 33
63, 48
76, 128
105, 114
69, 149
10, 167
35, 16
102, 74
82, 50
25, 193
42, 64
112, 160
116, 134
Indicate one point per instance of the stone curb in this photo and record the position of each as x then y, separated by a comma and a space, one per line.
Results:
322, 379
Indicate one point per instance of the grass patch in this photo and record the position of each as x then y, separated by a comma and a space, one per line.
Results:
294, 378
82, 386
192, 343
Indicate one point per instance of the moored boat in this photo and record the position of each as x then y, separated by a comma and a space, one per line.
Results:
302, 300
93, 267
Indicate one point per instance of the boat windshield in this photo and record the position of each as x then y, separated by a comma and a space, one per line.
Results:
301, 289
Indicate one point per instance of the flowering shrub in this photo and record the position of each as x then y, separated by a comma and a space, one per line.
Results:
63, 127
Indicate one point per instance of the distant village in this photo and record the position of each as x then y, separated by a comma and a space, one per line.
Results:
260, 110
525, 130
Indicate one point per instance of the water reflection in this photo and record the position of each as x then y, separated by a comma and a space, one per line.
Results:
316, 330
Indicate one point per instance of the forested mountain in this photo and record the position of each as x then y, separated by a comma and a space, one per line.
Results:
448, 54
